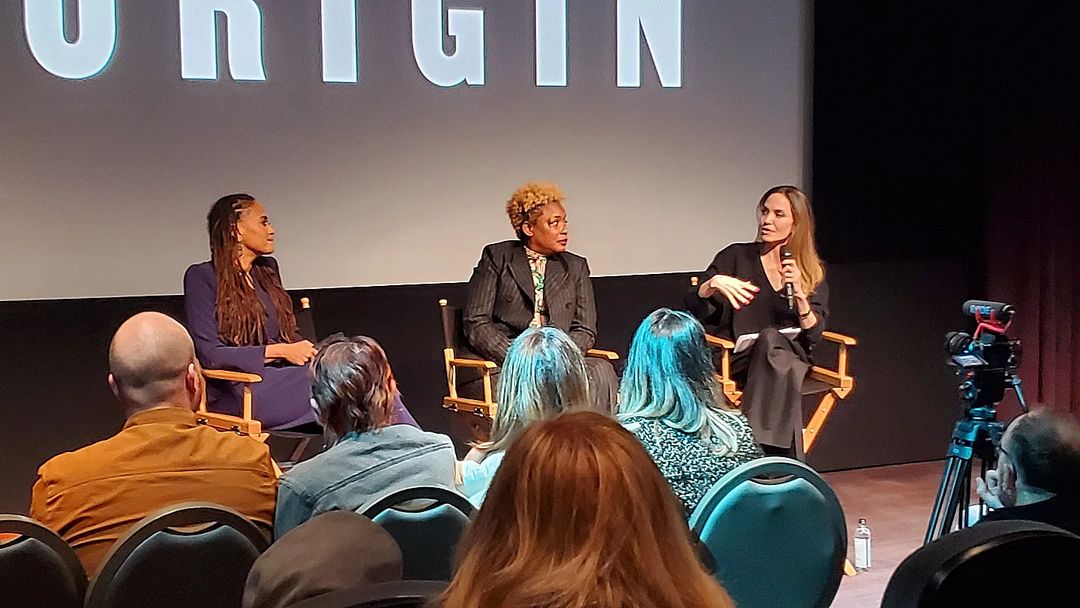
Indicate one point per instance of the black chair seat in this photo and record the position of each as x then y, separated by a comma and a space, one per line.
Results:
191, 555
37, 568
987, 564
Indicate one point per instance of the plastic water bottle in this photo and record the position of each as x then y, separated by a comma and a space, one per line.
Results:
862, 546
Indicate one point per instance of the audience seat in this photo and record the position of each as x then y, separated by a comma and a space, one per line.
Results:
191, 555
990, 564
777, 534
427, 523
37, 568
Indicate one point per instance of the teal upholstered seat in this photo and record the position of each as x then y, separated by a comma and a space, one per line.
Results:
777, 542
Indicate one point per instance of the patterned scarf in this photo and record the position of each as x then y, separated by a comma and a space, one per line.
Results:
538, 266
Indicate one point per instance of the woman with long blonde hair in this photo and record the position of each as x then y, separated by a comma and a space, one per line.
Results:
544, 373
578, 516
775, 283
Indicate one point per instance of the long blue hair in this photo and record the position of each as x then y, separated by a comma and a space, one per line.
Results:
670, 377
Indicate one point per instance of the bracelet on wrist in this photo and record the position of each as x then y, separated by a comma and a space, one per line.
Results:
806, 315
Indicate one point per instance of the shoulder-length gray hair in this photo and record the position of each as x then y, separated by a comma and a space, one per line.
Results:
543, 374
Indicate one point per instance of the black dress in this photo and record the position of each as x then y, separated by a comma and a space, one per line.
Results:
771, 372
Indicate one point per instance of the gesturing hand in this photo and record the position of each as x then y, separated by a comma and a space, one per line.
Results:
737, 291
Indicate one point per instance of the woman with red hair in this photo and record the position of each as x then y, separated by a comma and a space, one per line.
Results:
579, 516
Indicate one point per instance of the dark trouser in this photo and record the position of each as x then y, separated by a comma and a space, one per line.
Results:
771, 374
603, 384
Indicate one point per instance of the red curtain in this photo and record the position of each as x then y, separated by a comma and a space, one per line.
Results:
1032, 241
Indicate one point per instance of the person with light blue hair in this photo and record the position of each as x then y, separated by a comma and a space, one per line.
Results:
544, 373
670, 400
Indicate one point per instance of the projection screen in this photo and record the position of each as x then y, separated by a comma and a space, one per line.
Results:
384, 136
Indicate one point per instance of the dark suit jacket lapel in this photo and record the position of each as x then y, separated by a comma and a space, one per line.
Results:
557, 293
519, 267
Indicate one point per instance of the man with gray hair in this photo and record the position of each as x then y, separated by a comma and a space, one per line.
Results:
91, 496
1038, 472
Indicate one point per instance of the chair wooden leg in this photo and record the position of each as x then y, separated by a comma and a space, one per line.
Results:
848, 568
824, 408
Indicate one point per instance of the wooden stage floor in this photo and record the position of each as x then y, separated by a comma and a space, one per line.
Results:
895, 501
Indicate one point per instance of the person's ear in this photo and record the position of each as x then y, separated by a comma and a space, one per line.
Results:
1007, 476
115, 389
527, 229
194, 384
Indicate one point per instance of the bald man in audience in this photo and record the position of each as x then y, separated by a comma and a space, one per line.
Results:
1038, 471
162, 457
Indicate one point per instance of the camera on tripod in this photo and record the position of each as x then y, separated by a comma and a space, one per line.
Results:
984, 361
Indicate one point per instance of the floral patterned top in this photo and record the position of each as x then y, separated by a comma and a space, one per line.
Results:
538, 267
689, 463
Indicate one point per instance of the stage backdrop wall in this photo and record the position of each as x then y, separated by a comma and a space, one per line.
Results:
674, 117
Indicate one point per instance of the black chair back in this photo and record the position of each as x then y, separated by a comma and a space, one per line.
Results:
191, 555
453, 325
37, 568
399, 594
305, 321
987, 563
427, 523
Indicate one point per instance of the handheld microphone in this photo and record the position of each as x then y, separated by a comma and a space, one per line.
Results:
789, 289
999, 310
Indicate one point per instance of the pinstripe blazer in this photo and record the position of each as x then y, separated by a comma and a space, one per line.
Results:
501, 294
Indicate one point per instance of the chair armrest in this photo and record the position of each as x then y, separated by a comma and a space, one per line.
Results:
602, 354
477, 363
719, 342
836, 338
221, 374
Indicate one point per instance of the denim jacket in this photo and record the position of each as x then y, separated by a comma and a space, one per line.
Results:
360, 469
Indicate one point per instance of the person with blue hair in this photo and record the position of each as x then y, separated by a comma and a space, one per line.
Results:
544, 373
670, 400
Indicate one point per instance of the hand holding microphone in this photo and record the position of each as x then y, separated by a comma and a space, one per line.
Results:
791, 274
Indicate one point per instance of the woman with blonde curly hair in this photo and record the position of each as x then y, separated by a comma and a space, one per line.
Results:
578, 516
534, 281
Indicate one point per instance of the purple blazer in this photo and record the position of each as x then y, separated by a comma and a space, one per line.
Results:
282, 399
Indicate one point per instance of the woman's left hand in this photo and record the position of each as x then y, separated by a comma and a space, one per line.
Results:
790, 271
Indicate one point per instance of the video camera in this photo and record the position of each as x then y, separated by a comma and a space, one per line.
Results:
986, 357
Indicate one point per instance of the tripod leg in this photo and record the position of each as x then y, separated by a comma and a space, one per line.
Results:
944, 491
962, 477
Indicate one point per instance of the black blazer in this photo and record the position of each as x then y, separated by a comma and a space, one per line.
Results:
501, 294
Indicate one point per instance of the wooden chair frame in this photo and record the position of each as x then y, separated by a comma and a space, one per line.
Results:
487, 407
838, 381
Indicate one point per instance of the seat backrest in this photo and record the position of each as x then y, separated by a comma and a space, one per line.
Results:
190, 555
987, 563
777, 533
399, 594
453, 326
305, 321
427, 522
37, 568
